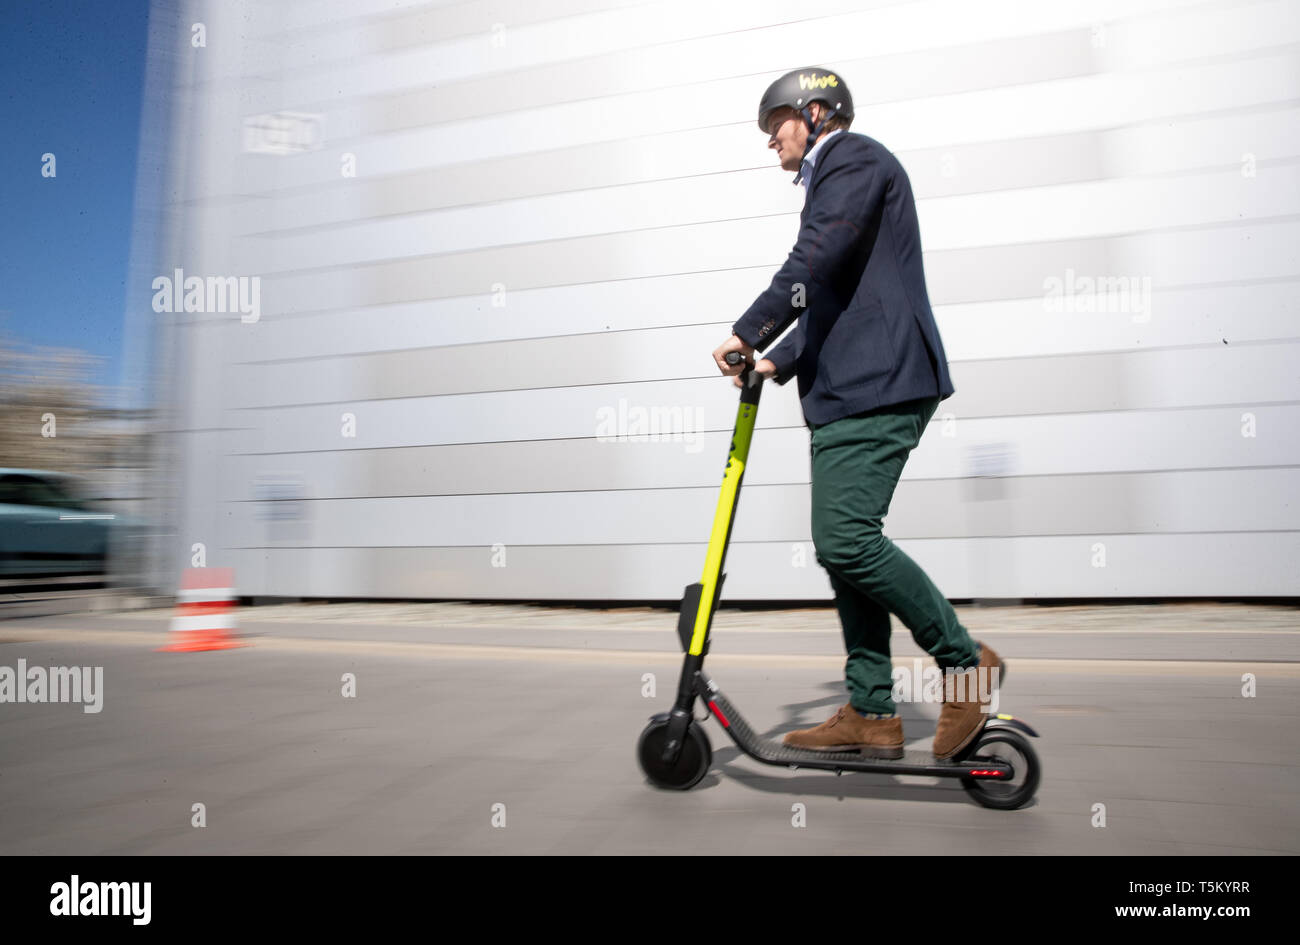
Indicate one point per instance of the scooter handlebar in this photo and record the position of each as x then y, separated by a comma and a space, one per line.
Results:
750, 379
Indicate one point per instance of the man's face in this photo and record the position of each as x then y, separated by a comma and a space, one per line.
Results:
789, 134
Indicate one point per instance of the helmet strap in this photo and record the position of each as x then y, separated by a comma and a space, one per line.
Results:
814, 132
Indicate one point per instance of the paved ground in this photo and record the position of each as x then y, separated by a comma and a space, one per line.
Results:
460, 707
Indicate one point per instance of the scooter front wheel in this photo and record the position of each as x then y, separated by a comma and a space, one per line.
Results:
692, 762
1009, 747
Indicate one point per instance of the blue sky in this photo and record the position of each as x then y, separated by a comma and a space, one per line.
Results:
73, 72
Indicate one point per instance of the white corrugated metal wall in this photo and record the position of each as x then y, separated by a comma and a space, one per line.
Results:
555, 209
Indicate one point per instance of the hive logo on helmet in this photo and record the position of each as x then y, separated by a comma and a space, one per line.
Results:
813, 82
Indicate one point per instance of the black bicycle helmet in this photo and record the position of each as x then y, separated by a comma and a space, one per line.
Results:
799, 89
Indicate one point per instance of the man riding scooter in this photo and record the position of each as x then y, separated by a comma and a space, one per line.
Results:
872, 371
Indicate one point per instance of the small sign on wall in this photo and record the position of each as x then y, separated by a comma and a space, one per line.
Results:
279, 497
283, 133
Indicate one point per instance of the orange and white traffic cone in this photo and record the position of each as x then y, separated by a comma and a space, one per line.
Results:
205, 616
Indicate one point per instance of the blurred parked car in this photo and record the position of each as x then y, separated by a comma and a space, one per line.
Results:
48, 528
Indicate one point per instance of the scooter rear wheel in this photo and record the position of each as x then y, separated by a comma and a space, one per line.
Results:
1008, 746
692, 763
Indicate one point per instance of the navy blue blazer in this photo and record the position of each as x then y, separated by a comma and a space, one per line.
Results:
866, 336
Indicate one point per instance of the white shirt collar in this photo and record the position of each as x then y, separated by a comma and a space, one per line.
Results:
806, 168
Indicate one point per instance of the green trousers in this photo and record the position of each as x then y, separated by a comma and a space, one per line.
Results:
856, 464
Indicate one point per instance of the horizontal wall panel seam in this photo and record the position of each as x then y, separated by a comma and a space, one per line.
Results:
1103, 104
1139, 503
703, 543
527, 72
322, 360
1020, 568
533, 174
754, 479
422, 373
576, 255
641, 208
1259, 309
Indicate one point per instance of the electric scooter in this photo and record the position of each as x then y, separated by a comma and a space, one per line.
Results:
999, 768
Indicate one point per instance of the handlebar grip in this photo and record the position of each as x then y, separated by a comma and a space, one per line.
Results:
734, 357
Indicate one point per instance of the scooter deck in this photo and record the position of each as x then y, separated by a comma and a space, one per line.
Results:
774, 753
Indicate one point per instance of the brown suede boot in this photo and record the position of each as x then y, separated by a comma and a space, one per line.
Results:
962, 717
846, 730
